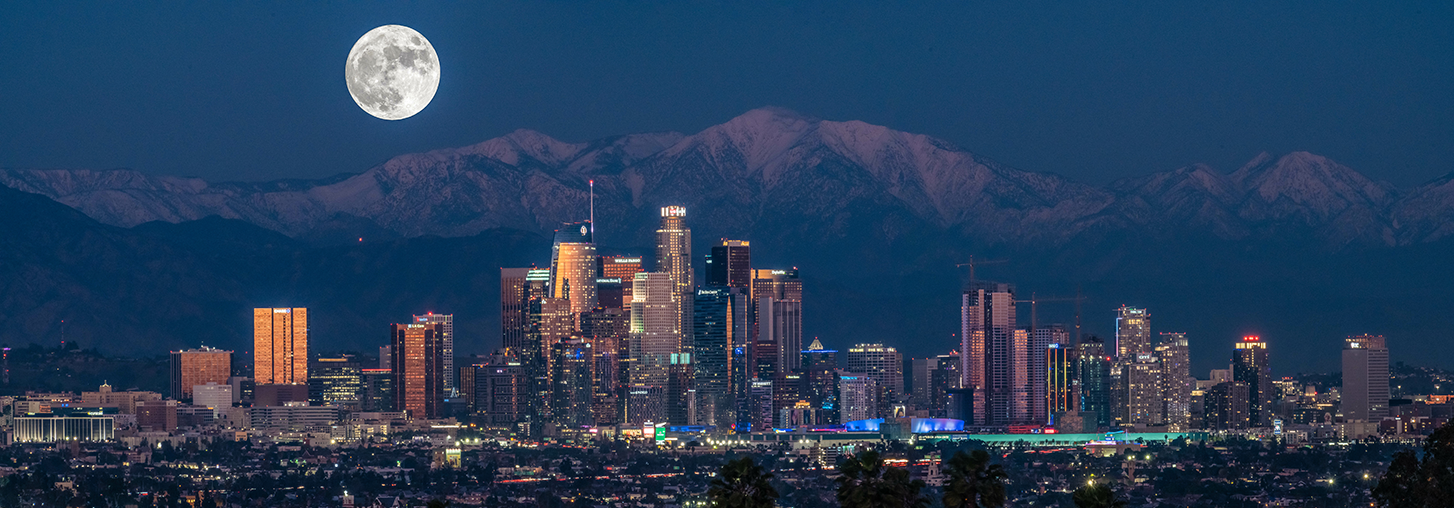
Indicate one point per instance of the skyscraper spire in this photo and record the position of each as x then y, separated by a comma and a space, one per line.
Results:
593, 207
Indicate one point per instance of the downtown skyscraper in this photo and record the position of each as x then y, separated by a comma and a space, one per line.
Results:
987, 333
446, 346
280, 346
730, 264
1133, 332
1250, 366
719, 325
573, 265
418, 364
1365, 378
518, 286
674, 258
1176, 380
656, 346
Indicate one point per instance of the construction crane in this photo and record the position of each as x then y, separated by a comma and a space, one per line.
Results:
1034, 301
972, 263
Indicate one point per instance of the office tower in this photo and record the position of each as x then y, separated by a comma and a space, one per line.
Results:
656, 343
500, 391
712, 345
572, 368
213, 395
1250, 365
921, 374
609, 331
573, 266
758, 415
199, 366
820, 377
548, 321
857, 397
517, 287
1176, 380
156, 415
730, 265
1093, 372
467, 379
448, 321
780, 322
787, 391
611, 294
782, 284
1365, 378
883, 364
377, 390
674, 258
335, 381
944, 380
1144, 402
1133, 332
622, 269
1035, 370
386, 357
1060, 395
418, 369
778, 285
280, 345
1225, 406
987, 331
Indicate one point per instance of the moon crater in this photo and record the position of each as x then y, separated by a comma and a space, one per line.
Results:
392, 72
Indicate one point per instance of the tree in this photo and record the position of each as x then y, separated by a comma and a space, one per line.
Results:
973, 481
742, 483
866, 483
1096, 496
437, 503
1419, 483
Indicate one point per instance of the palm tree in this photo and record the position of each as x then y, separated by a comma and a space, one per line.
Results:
742, 484
866, 483
1096, 496
973, 481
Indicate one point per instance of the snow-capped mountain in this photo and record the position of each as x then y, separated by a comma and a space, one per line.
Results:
776, 171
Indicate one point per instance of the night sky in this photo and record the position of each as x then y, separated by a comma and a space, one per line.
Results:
253, 92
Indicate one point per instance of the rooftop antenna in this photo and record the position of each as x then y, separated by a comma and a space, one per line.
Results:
593, 210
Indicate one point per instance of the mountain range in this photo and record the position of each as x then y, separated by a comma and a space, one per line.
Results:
875, 217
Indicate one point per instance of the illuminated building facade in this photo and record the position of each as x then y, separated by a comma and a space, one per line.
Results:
1059, 383
857, 397
377, 390
572, 370
213, 395
713, 338
1093, 374
517, 287
199, 366
335, 381
1133, 332
1225, 406
418, 369
280, 345
780, 323
609, 332
500, 391
622, 270
53, 428
1144, 402
655, 329
1040, 340
674, 258
1176, 381
1365, 378
1250, 365
882, 363
573, 266
730, 264
987, 337
447, 321
820, 379
549, 321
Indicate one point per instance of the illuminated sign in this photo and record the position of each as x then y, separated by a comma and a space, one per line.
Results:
673, 211
625, 260
281, 311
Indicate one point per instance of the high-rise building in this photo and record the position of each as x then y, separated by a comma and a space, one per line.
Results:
780, 322
1133, 332
418, 369
447, 320
1250, 365
921, 375
1176, 381
759, 405
882, 363
386, 357
467, 378
712, 343
609, 332
944, 381
500, 391
857, 397
730, 265
573, 266
572, 370
377, 389
987, 336
782, 284
674, 258
778, 285
1060, 394
548, 321
1036, 369
622, 270
280, 345
335, 381
1093, 374
1142, 378
1365, 378
517, 287
820, 377
213, 395
656, 339
199, 366
1225, 406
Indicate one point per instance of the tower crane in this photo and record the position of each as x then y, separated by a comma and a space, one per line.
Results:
972, 262
1034, 301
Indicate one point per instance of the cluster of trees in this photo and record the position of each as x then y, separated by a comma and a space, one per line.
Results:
1412, 482
864, 481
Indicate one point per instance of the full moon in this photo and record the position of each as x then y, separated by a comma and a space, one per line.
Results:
392, 72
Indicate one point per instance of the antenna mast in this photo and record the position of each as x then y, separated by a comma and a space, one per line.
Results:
593, 210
